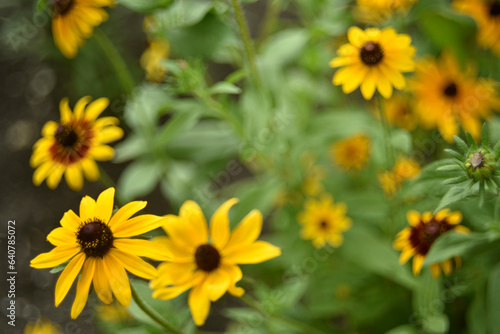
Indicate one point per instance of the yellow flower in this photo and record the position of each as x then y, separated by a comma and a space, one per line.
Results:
42, 326
388, 182
375, 11
73, 21
446, 96
157, 50
324, 221
98, 245
73, 145
406, 168
373, 59
487, 16
399, 111
206, 260
112, 313
424, 229
351, 153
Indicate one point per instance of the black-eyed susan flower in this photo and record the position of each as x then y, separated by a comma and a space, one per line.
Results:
373, 59
486, 13
206, 260
98, 245
377, 11
157, 50
415, 241
447, 97
73, 21
42, 326
71, 146
324, 221
351, 153
399, 112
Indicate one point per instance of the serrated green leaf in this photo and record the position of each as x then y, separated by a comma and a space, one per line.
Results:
180, 123
493, 300
455, 154
462, 146
471, 141
496, 150
132, 147
451, 168
485, 136
59, 268
454, 195
456, 180
482, 193
138, 179
224, 87
144, 6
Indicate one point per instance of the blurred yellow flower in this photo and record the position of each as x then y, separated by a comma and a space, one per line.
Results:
373, 59
388, 182
42, 326
112, 313
324, 221
98, 244
157, 50
487, 16
73, 21
446, 96
404, 169
206, 260
416, 240
351, 153
376, 11
72, 146
399, 112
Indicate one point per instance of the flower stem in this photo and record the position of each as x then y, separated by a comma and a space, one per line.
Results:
116, 60
245, 35
151, 312
387, 134
302, 327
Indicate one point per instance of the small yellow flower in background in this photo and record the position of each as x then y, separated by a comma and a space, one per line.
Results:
313, 174
112, 313
376, 11
373, 59
404, 169
399, 112
157, 50
416, 240
324, 221
351, 153
206, 260
487, 16
446, 96
73, 21
42, 326
388, 182
72, 146
100, 243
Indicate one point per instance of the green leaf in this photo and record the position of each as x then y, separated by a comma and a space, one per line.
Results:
436, 323
180, 123
138, 179
224, 87
144, 6
41, 5
183, 14
493, 300
456, 180
403, 329
496, 150
451, 244
283, 47
455, 154
461, 145
476, 313
132, 147
485, 136
454, 195
482, 193
450, 168
471, 141
59, 268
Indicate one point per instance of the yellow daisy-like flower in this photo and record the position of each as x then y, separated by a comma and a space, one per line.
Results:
416, 240
157, 50
406, 168
373, 59
42, 326
445, 96
73, 145
399, 112
324, 222
388, 182
351, 153
97, 244
206, 260
486, 13
73, 21
375, 11
113, 313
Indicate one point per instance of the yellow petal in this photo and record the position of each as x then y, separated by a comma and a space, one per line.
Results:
192, 214
90, 169
369, 84
183, 233
171, 292
55, 257
418, 261
96, 108
413, 218
49, 129
406, 254
356, 37
67, 277
104, 205
136, 226
118, 279
134, 264
61, 236
219, 224
179, 253
257, 252
461, 229
143, 248
87, 208
74, 177
454, 218
80, 106
435, 270
66, 114
447, 267
246, 232
110, 134
236, 291
101, 283
42, 172
102, 152
126, 211
82, 288
173, 274
216, 284
70, 220
55, 176
199, 304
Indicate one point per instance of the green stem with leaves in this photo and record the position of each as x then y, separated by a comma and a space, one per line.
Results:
302, 327
116, 60
386, 133
152, 313
247, 41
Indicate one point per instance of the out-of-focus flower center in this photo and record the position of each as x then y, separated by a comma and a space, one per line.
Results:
423, 235
371, 53
66, 136
495, 9
323, 225
207, 257
61, 7
95, 238
451, 90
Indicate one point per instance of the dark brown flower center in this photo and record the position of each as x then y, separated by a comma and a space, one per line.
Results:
207, 258
477, 160
95, 238
61, 7
451, 90
495, 9
371, 53
423, 235
66, 136
323, 225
